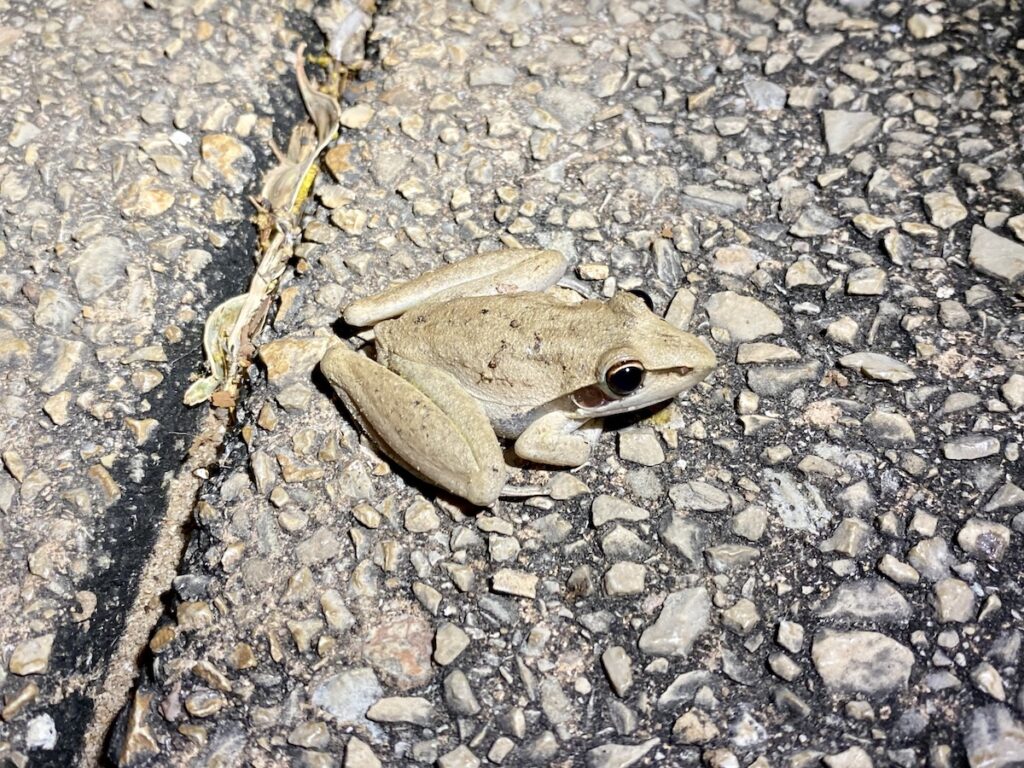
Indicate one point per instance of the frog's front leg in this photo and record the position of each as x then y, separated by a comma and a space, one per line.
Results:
485, 274
424, 420
558, 440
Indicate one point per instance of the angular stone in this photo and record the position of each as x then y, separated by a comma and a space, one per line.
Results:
871, 225
994, 739
763, 352
138, 742
878, 366
728, 557
869, 600
55, 311
1008, 495
861, 662
804, 272
986, 678
231, 160
869, 281
310, 735
854, 757
765, 94
337, 614
490, 73
460, 757
780, 380
971, 447
736, 260
358, 754
30, 657
357, 117
511, 582
699, 495
924, 25
684, 616
22, 133
624, 578
1012, 391
99, 267
818, 46
742, 617
931, 558
750, 523
573, 108
291, 359
622, 544
687, 536
845, 130
944, 209
984, 539
458, 694
402, 709
145, 198
557, 707
889, 430
723, 202
814, 221
996, 256
694, 727
619, 755
421, 517
954, 601
857, 499
606, 508
398, 648
347, 695
683, 689
850, 538
641, 446
618, 666
743, 317
41, 733
449, 643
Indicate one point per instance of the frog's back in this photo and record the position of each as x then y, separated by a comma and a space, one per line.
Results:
519, 350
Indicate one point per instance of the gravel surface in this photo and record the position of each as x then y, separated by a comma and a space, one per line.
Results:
812, 558
129, 135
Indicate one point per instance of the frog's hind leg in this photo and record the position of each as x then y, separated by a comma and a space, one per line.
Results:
485, 274
424, 420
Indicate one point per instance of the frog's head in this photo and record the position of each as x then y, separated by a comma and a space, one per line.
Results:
645, 361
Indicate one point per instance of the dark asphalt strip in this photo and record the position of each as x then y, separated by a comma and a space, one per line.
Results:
128, 529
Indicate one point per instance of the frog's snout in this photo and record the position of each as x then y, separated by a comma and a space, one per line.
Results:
705, 357
694, 359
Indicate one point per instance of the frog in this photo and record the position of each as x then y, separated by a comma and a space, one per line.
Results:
491, 347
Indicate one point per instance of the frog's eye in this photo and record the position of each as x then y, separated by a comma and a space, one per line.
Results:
624, 378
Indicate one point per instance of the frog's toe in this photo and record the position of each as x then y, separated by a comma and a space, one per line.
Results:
483, 487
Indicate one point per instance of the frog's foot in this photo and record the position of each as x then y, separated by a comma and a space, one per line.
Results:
557, 440
424, 420
485, 274
524, 491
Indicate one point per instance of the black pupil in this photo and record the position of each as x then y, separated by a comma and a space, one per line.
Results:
625, 379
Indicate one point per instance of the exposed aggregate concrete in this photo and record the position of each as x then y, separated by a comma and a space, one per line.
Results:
813, 558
